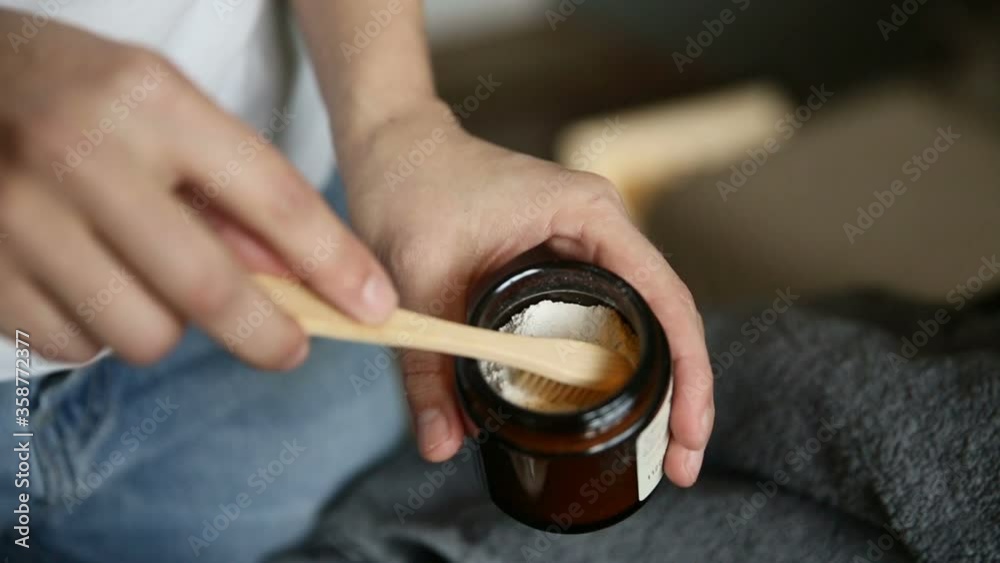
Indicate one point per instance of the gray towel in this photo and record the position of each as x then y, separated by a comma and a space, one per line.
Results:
842, 435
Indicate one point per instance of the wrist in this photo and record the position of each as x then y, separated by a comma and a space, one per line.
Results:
371, 152
378, 139
357, 123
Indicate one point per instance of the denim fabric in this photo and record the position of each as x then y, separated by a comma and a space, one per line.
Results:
197, 457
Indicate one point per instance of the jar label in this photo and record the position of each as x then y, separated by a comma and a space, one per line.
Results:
651, 446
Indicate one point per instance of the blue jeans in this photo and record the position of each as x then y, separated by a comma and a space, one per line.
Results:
198, 457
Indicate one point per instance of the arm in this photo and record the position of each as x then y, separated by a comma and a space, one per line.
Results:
367, 86
468, 207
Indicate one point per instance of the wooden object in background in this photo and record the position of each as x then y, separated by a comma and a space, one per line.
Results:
660, 143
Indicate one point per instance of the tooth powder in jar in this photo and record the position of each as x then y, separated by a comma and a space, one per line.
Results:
563, 465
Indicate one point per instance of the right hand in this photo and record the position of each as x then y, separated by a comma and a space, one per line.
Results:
108, 156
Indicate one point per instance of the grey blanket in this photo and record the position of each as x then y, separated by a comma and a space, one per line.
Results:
843, 435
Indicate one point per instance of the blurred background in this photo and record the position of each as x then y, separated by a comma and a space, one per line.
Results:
815, 106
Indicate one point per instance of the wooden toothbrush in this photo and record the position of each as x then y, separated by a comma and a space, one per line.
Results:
563, 369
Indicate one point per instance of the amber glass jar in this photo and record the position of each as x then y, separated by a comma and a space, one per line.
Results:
578, 471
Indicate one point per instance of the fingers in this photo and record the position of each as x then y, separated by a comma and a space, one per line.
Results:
249, 249
604, 236
429, 378
186, 264
24, 307
248, 179
102, 296
121, 216
429, 386
682, 464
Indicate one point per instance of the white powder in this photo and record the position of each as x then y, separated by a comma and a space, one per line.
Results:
595, 324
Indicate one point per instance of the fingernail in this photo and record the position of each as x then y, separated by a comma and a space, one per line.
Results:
693, 464
432, 430
378, 298
708, 420
298, 356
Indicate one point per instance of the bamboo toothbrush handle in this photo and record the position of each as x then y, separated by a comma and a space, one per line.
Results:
408, 329
404, 328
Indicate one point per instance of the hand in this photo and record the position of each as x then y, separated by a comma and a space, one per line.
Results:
130, 204
469, 208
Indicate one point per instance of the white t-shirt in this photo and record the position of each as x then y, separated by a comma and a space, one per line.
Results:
243, 53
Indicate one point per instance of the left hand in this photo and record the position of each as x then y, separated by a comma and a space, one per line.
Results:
470, 207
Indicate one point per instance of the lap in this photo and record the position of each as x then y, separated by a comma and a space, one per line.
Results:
200, 455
